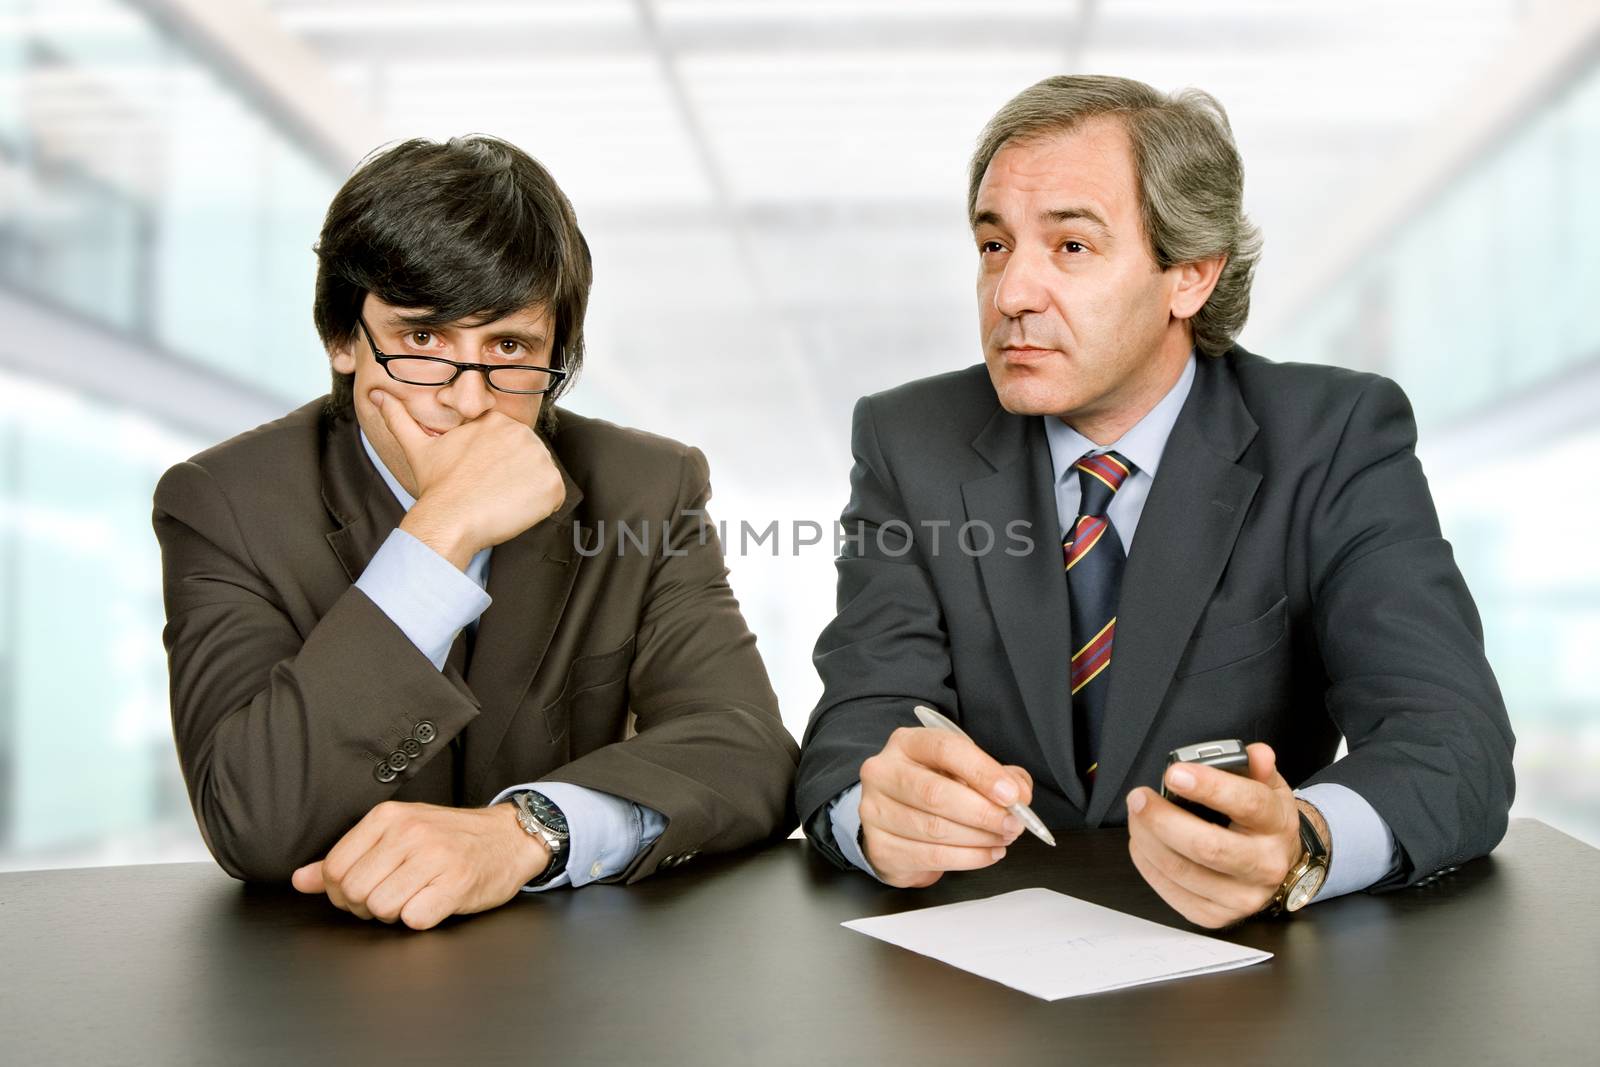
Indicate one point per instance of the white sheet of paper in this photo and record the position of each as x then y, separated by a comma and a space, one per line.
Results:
1053, 946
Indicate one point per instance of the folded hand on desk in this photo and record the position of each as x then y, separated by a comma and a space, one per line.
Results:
420, 863
1212, 875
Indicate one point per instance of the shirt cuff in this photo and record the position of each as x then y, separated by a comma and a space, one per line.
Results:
1361, 842
422, 593
844, 815
605, 831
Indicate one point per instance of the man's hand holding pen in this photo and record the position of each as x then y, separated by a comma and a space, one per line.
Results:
932, 802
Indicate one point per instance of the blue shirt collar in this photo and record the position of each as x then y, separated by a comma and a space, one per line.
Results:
399, 491
1142, 445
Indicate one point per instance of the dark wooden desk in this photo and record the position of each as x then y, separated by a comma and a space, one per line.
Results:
741, 960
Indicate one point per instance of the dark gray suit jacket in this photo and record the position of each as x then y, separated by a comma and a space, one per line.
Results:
626, 671
1288, 583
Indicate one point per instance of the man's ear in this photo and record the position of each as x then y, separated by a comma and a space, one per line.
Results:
343, 358
1195, 282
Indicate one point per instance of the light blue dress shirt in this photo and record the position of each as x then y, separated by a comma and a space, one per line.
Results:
1362, 845
431, 602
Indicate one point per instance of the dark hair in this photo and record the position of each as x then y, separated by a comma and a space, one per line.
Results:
473, 227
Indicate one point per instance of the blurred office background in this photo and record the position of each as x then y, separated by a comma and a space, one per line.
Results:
774, 193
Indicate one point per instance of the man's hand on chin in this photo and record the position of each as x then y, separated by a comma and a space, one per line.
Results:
1215, 876
419, 863
480, 484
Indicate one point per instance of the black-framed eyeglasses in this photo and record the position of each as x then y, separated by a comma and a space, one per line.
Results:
437, 371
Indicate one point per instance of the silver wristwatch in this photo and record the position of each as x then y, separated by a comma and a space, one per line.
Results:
539, 817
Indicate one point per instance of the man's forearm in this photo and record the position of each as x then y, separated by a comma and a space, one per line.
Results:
450, 539
606, 832
1362, 849
423, 593
334, 730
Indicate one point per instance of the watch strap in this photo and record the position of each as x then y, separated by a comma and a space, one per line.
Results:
1313, 853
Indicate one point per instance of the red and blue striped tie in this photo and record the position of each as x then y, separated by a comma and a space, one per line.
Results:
1094, 560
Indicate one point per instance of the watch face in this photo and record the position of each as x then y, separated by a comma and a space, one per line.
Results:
548, 814
1306, 888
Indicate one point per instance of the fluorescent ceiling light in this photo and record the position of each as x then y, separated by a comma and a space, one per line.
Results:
857, 10
504, 16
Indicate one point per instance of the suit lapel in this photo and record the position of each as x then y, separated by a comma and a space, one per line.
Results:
367, 512
355, 495
530, 577
1027, 592
1186, 534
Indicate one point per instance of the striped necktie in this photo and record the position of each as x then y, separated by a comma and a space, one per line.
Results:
1094, 560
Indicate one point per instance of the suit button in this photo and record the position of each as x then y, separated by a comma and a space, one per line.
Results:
384, 773
399, 761
425, 731
411, 747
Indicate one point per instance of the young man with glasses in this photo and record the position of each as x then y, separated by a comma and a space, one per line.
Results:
394, 679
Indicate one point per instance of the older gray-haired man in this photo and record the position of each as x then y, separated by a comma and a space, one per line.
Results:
1222, 547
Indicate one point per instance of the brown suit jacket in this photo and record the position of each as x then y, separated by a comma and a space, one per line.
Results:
603, 664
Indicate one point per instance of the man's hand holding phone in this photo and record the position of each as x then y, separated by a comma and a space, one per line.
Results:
1217, 875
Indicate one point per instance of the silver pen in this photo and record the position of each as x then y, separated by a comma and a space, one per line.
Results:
935, 721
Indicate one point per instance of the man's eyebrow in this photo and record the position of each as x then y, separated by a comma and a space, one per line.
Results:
394, 320
1076, 214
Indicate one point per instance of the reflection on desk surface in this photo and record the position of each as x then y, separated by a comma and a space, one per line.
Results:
744, 961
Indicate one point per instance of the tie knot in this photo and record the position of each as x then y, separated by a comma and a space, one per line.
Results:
1099, 477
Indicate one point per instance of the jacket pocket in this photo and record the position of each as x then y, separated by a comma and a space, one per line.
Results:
1220, 648
586, 675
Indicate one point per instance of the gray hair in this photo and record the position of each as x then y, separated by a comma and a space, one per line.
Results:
1191, 182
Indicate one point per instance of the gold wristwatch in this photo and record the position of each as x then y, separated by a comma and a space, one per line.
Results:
1300, 885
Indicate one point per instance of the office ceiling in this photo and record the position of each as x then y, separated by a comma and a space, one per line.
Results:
774, 190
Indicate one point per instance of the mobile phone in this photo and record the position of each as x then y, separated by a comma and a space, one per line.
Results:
1224, 755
